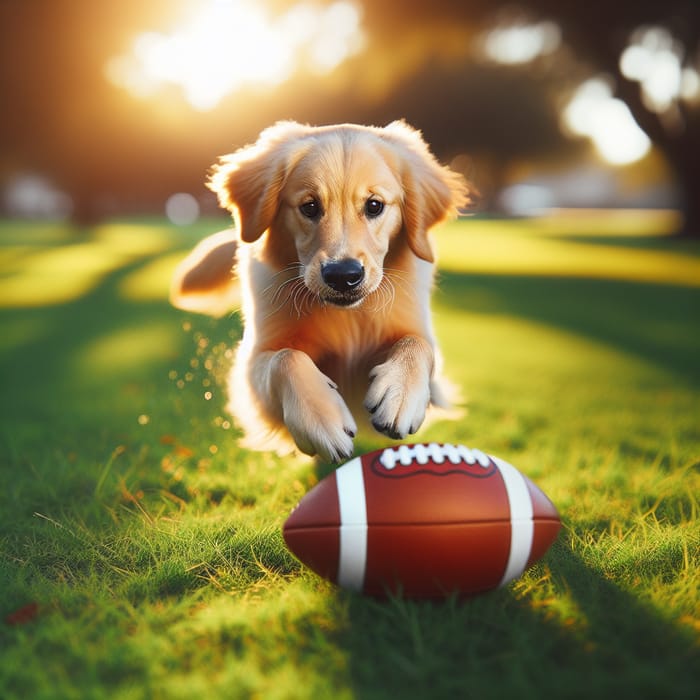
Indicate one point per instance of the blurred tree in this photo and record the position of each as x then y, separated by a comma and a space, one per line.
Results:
595, 34
599, 31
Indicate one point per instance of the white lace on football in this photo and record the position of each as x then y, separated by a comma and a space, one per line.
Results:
407, 455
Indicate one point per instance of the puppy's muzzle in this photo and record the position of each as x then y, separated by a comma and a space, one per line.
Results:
343, 278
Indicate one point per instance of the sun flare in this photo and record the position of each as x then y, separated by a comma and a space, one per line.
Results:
230, 44
607, 121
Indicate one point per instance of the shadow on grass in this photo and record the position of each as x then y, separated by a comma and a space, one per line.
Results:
603, 310
609, 644
671, 244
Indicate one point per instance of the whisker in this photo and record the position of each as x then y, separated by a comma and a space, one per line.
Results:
301, 298
286, 286
312, 299
384, 295
403, 280
280, 294
399, 275
290, 268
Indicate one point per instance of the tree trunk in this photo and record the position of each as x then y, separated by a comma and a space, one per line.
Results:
679, 143
603, 46
687, 167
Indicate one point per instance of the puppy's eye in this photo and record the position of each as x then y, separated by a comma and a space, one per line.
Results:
373, 208
311, 209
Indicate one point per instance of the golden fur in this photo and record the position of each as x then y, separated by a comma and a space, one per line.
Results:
335, 269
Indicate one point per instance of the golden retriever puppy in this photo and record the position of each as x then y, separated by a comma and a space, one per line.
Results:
335, 268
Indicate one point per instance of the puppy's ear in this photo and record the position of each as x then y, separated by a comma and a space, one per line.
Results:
204, 281
248, 182
432, 192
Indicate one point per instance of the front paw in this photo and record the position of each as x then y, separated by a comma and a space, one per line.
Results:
319, 421
397, 400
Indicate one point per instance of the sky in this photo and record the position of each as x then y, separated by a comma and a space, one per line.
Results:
118, 105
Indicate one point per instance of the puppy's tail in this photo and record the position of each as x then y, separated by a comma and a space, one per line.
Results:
205, 280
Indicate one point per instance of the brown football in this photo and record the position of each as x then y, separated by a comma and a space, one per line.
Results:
424, 521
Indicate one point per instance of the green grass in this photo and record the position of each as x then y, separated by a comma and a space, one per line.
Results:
140, 548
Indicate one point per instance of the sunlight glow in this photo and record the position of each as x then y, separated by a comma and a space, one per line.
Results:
523, 247
690, 85
127, 348
654, 59
61, 274
150, 281
607, 121
230, 44
521, 43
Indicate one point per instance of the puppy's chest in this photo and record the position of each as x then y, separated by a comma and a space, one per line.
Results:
347, 345
351, 371
351, 374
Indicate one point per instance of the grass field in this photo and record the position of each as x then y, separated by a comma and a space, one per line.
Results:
140, 548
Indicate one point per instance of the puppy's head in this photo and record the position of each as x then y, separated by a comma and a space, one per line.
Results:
334, 199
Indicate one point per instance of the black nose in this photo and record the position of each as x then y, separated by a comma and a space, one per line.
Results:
343, 275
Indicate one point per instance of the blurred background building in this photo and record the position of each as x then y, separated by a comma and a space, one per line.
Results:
119, 109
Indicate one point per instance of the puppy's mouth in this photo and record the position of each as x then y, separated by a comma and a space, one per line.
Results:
346, 301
